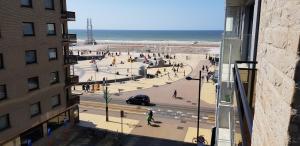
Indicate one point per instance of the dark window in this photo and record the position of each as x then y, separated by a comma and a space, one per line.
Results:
26, 3
28, 29
30, 57
52, 53
58, 121
4, 122
32, 134
49, 4
35, 109
51, 29
54, 77
3, 93
33, 83
1, 62
55, 101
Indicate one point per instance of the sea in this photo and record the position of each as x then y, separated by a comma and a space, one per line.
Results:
152, 35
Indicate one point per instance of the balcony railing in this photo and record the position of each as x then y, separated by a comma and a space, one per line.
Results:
70, 59
73, 100
69, 16
72, 80
70, 38
244, 80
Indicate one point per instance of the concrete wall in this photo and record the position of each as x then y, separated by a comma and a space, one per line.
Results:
277, 73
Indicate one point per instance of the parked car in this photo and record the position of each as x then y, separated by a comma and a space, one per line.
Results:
139, 99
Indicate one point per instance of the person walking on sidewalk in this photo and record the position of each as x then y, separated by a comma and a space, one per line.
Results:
175, 94
148, 119
151, 115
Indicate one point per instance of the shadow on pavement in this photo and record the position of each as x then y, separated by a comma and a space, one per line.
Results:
180, 98
152, 104
154, 125
157, 122
138, 140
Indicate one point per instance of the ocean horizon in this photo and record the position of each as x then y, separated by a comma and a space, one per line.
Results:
152, 35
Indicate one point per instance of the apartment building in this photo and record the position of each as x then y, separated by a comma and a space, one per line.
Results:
258, 100
35, 80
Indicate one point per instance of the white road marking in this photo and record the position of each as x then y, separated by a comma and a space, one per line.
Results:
205, 118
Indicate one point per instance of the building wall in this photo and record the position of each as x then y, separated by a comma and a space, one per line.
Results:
277, 59
15, 74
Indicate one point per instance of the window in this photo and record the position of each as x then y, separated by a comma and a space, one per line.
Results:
30, 57
4, 122
52, 53
3, 94
35, 109
33, 134
54, 77
33, 83
26, 3
1, 62
55, 101
28, 29
58, 121
51, 29
49, 4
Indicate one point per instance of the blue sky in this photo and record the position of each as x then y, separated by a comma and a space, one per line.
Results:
149, 14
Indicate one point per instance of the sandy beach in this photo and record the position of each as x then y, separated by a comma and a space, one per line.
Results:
187, 47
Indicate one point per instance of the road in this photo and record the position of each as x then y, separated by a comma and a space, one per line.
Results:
184, 113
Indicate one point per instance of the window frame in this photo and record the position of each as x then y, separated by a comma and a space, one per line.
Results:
33, 30
53, 4
57, 80
55, 54
35, 57
38, 84
8, 122
5, 92
26, 6
49, 34
38, 113
1, 61
59, 101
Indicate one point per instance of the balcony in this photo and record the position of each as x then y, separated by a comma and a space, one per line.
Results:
244, 82
72, 80
73, 100
69, 38
70, 59
69, 16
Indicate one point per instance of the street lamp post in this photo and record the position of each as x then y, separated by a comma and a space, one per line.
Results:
199, 94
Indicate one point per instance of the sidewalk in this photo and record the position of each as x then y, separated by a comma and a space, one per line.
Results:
162, 128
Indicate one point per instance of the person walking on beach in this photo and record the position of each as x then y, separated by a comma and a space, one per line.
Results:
175, 94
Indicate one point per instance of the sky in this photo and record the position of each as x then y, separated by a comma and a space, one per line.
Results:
148, 14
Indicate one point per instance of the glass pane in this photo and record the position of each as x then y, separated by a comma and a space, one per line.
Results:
3, 122
33, 83
51, 28
30, 56
49, 4
35, 109
54, 77
27, 28
52, 53
26, 2
55, 100
2, 92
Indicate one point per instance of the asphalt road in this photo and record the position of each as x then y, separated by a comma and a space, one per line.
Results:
180, 112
